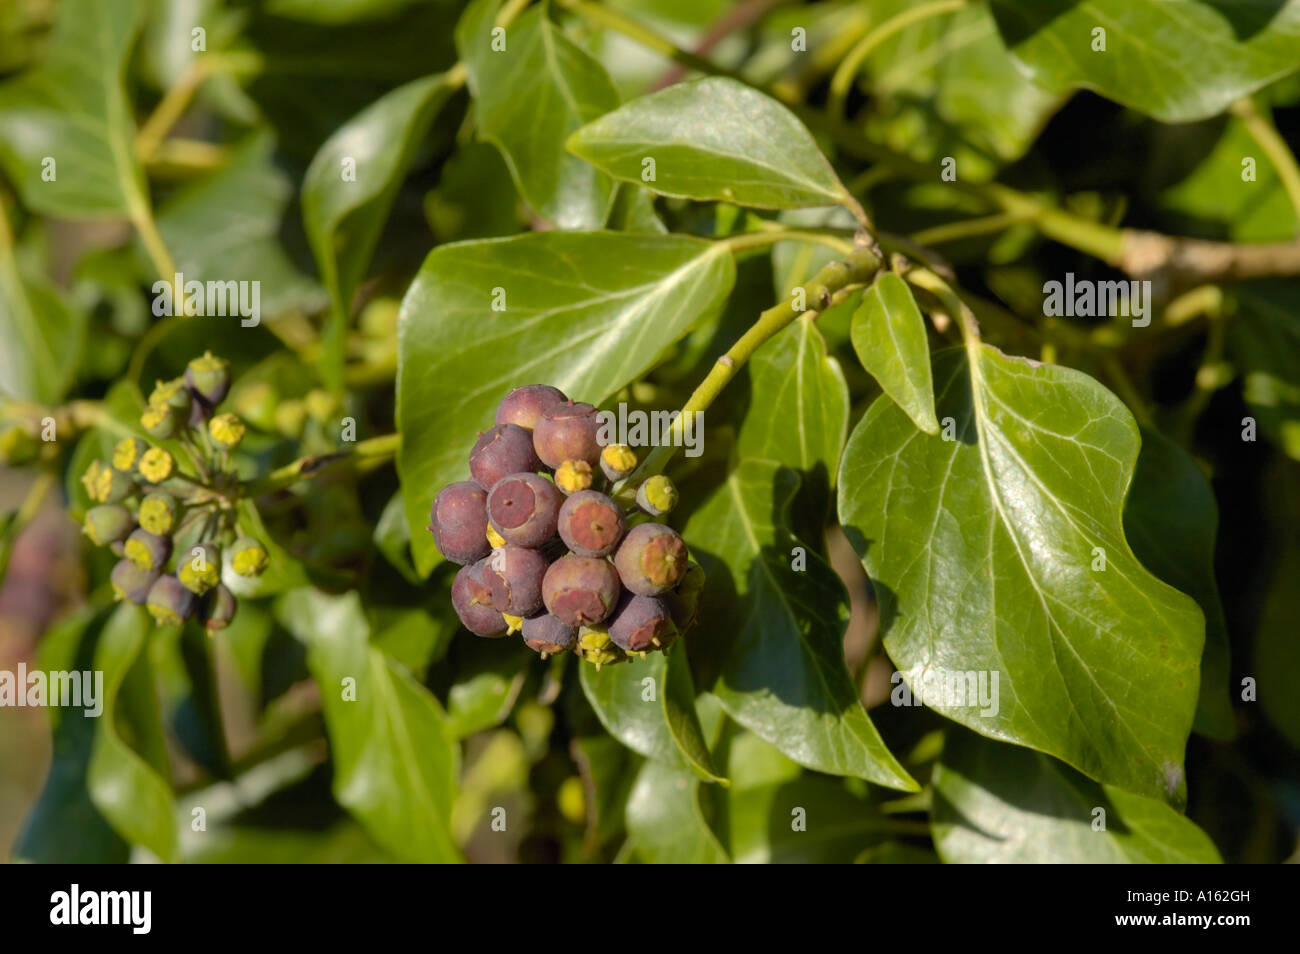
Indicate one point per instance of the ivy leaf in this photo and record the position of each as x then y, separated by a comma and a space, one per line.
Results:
1171, 519
41, 335
488, 678
586, 312
784, 678
986, 553
528, 97
73, 109
664, 727
132, 791
713, 139
1264, 342
395, 762
227, 226
888, 333
1002, 803
665, 819
344, 213
1276, 658
1174, 60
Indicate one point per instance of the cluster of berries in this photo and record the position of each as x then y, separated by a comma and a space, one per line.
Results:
149, 507
546, 553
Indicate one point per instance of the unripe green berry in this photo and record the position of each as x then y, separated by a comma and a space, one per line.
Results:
108, 523
156, 465
172, 394
161, 421
220, 609
227, 430
170, 602
657, 496
127, 454
201, 570
617, 461
248, 557
209, 378
573, 476
158, 512
106, 485
147, 550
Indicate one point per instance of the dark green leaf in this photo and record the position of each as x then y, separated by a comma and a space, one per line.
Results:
665, 820
889, 336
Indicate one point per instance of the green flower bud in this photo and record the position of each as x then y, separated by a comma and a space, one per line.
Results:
127, 454
108, 523
248, 557
132, 583
160, 421
220, 609
572, 476
227, 430
18, 446
169, 602
209, 378
106, 485
147, 550
200, 570
595, 646
657, 496
156, 465
158, 512
172, 394
617, 461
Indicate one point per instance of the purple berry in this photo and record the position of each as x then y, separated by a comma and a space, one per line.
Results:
524, 508
501, 451
567, 431
514, 577
544, 633
523, 406
591, 524
458, 520
479, 618
580, 590
652, 559
640, 623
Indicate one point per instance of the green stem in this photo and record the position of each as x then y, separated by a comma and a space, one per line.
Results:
368, 454
1265, 134
849, 67
855, 268
767, 237
968, 228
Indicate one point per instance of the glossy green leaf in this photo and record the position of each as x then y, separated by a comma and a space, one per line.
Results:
587, 313
1264, 343
42, 335
665, 820
73, 109
489, 675
811, 820
888, 333
1171, 520
226, 227
784, 677
528, 98
1002, 803
349, 188
395, 762
133, 794
1175, 60
713, 139
986, 552
657, 718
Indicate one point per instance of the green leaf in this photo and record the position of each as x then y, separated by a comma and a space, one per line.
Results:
335, 11
1264, 343
666, 822
784, 678
1277, 652
227, 227
713, 139
133, 793
1171, 519
528, 98
349, 188
984, 553
888, 333
41, 335
924, 105
488, 676
395, 762
1175, 60
73, 109
664, 726
1001, 803
838, 824
587, 313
